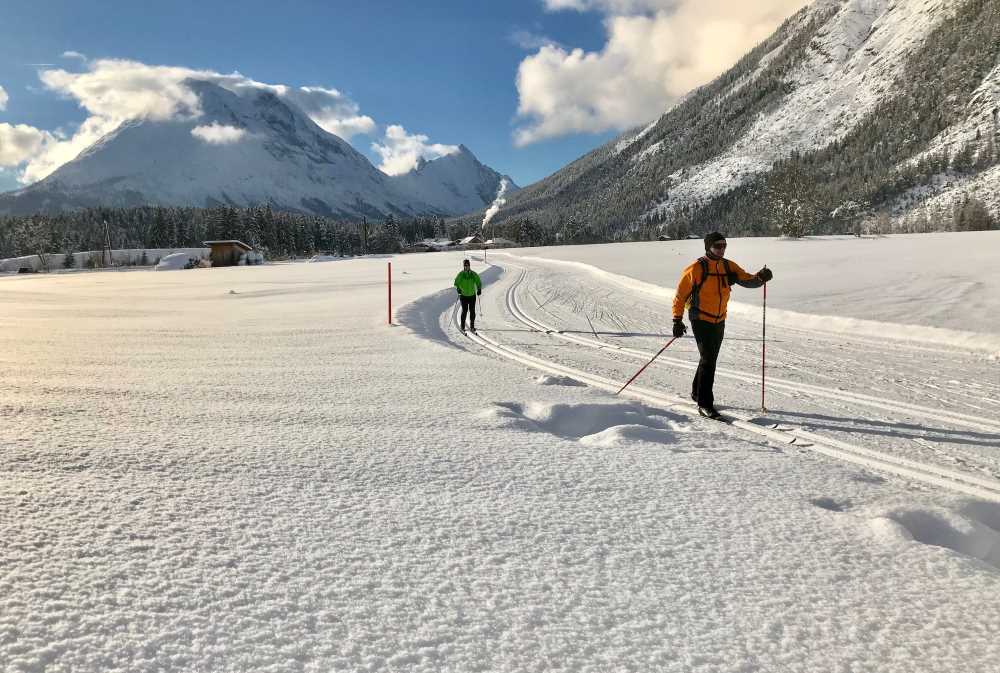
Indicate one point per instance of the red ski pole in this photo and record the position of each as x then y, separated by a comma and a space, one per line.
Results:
763, 349
646, 365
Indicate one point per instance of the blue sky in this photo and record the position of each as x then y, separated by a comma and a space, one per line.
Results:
447, 70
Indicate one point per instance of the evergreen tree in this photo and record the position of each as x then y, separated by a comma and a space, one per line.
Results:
791, 208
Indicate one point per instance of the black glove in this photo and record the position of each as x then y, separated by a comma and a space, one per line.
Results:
765, 274
478, 292
458, 291
679, 328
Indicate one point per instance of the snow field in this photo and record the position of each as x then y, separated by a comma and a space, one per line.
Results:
275, 480
936, 288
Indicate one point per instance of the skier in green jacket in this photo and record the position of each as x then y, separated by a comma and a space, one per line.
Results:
469, 287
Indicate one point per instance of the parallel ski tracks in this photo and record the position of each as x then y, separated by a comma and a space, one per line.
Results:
870, 401
934, 475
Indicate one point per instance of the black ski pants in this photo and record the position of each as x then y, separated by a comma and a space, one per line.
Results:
708, 336
468, 308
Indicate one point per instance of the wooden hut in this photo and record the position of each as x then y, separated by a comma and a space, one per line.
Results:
473, 242
227, 253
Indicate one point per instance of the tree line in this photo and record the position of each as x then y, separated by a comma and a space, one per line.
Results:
275, 233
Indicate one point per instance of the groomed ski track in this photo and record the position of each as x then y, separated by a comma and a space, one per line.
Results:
746, 425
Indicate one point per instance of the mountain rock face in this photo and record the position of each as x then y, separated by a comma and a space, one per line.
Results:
247, 149
852, 107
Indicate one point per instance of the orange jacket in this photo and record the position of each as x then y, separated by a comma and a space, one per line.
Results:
713, 293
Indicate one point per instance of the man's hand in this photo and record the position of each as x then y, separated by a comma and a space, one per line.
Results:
458, 291
479, 293
679, 328
765, 274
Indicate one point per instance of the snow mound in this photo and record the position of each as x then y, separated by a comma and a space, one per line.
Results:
547, 380
596, 425
174, 262
966, 531
623, 435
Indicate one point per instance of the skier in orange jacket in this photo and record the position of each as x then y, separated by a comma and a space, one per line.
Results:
704, 289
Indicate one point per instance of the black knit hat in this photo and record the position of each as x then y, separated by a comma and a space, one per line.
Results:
712, 238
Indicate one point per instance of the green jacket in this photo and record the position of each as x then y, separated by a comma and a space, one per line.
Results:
468, 283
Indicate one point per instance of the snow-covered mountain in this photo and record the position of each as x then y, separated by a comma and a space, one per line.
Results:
249, 148
455, 182
858, 90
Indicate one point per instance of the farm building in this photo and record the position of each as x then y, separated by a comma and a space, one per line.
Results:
227, 253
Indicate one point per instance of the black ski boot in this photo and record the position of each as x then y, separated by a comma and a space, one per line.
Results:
710, 412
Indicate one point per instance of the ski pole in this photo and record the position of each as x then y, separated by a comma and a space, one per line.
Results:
645, 365
763, 349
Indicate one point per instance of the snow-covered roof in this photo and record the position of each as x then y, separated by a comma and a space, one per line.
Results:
237, 243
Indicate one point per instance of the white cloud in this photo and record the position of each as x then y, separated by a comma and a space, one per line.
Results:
20, 142
529, 41
74, 55
400, 151
218, 134
656, 51
113, 91
3, 99
117, 89
332, 111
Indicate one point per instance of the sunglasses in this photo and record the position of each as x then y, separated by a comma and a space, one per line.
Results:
720, 246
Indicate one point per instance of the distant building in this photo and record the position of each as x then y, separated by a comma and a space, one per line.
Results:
420, 247
227, 253
502, 243
473, 242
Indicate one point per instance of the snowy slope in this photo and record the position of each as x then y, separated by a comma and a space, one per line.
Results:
354, 496
273, 152
826, 70
848, 68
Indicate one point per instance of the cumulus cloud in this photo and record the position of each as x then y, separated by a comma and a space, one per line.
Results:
332, 111
20, 142
113, 91
656, 51
128, 90
401, 151
218, 134
3, 99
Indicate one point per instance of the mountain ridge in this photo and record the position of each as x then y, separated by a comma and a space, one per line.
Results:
245, 149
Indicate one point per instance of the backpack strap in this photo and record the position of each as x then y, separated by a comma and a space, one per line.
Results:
693, 298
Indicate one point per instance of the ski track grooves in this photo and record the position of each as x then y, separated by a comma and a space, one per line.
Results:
934, 475
785, 386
